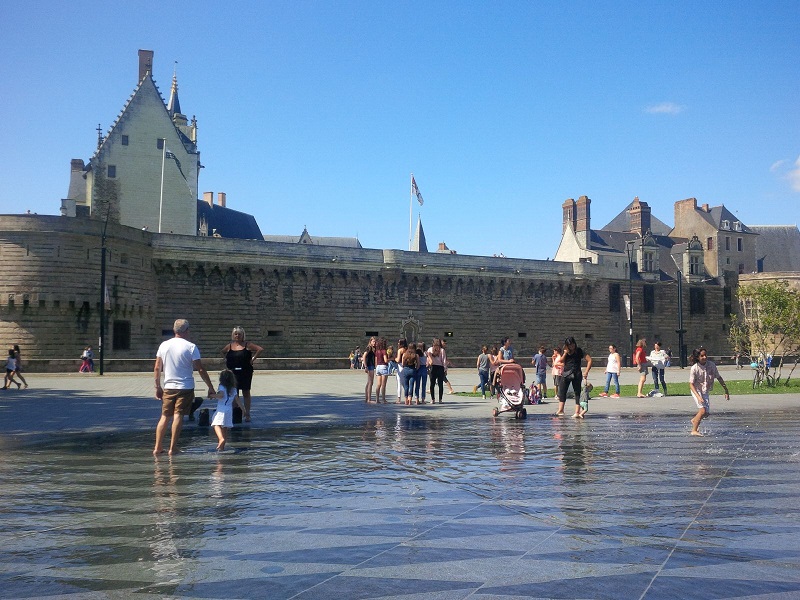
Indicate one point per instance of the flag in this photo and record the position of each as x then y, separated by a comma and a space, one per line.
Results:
107, 299
415, 191
172, 156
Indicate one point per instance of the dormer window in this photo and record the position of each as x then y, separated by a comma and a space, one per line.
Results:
737, 225
726, 225
694, 265
647, 261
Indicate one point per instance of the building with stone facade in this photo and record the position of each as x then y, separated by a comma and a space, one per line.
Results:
144, 172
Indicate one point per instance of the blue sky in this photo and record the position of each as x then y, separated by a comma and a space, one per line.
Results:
315, 113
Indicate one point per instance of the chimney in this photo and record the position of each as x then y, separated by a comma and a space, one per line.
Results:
221, 199
705, 208
145, 63
77, 164
568, 215
583, 214
640, 221
208, 198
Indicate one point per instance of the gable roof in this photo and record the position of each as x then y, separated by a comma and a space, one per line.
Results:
717, 214
147, 82
622, 222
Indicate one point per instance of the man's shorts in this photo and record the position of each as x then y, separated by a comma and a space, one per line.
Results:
541, 378
705, 401
179, 401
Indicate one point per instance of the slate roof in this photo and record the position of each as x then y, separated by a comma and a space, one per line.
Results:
228, 223
305, 238
615, 243
777, 247
717, 214
622, 222
419, 244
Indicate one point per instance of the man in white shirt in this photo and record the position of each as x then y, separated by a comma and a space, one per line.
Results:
177, 358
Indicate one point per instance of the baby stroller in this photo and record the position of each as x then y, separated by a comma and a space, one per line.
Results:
513, 393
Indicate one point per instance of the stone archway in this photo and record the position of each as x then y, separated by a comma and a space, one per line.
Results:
411, 329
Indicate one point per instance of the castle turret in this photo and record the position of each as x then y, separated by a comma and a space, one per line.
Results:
174, 106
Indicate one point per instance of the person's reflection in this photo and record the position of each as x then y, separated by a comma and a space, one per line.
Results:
216, 483
575, 459
508, 442
166, 556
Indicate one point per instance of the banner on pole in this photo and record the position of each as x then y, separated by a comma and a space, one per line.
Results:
415, 191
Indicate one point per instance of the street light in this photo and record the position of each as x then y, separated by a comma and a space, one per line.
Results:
103, 250
680, 330
629, 251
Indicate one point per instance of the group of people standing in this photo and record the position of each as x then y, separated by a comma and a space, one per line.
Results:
413, 364
14, 368
177, 359
567, 360
657, 361
568, 372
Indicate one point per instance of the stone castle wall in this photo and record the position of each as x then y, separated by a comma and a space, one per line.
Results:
302, 301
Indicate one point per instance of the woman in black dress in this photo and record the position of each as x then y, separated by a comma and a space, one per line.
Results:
239, 358
573, 375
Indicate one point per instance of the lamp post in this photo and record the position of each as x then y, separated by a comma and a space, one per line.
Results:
103, 250
680, 330
629, 250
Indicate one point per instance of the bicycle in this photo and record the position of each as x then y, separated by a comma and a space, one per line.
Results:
758, 375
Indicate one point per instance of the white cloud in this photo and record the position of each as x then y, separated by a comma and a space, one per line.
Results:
794, 176
665, 108
777, 166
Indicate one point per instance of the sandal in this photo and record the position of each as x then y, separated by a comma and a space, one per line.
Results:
558, 414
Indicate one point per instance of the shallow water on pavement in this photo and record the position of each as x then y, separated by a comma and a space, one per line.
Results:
443, 508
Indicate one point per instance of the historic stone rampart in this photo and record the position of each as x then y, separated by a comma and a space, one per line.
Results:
303, 302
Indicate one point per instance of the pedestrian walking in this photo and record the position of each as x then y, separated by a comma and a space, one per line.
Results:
612, 371
640, 360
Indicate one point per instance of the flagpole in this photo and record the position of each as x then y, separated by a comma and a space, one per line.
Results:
410, 211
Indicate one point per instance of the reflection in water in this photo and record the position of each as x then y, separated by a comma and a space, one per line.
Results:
166, 564
508, 440
175, 521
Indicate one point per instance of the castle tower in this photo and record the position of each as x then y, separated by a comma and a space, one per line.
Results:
144, 174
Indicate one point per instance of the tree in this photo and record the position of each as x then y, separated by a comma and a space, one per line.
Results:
768, 325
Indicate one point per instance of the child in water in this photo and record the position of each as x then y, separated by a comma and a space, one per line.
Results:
584, 402
226, 397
